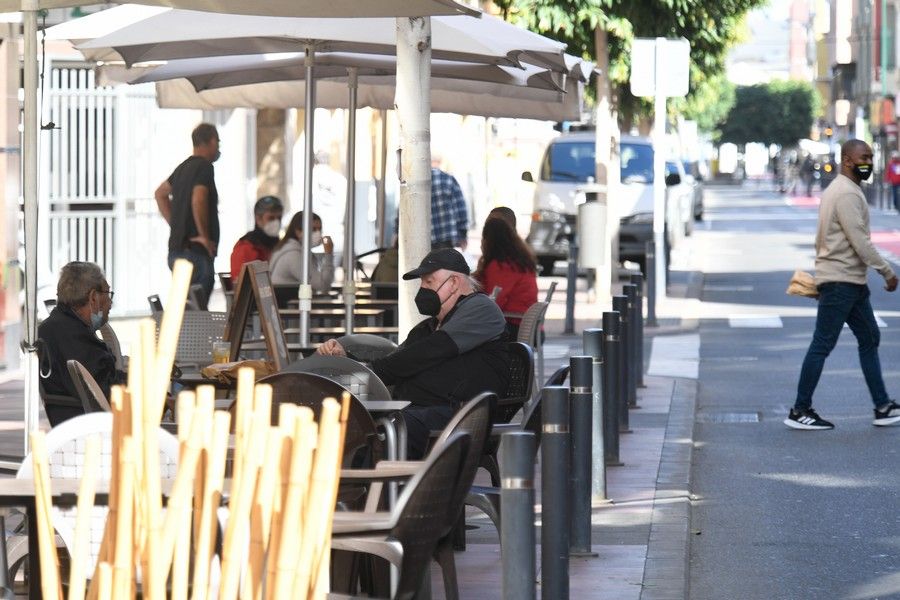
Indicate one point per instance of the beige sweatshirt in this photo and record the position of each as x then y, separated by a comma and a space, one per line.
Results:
844, 249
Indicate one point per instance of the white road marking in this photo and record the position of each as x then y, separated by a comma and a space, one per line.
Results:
755, 321
878, 319
675, 356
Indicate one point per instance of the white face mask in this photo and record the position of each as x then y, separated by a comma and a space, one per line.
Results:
315, 239
272, 228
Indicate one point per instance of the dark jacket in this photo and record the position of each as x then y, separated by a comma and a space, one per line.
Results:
452, 363
64, 336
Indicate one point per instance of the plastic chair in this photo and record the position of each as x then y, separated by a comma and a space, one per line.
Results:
196, 298
358, 379
92, 397
112, 342
365, 346
65, 449
199, 329
530, 331
408, 536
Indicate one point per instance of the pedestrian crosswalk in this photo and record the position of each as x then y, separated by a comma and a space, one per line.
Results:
747, 321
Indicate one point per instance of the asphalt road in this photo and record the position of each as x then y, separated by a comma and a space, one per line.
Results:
782, 513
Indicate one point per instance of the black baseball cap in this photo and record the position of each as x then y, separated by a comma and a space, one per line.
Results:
445, 258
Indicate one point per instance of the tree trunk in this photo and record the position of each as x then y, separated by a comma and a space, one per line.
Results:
413, 102
607, 174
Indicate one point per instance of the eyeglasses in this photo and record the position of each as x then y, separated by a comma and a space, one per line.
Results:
110, 292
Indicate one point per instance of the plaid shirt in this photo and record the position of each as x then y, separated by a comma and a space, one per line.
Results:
449, 217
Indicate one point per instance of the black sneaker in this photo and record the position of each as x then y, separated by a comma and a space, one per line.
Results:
888, 416
809, 420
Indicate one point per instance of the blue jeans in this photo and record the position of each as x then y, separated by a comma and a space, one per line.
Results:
203, 273
841, 303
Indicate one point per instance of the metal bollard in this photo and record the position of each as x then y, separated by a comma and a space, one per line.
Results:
580, 400
555, 493
620, 305
571, 287
517, 454
593, 347
630, 292
638, 280
611, 349
650, 272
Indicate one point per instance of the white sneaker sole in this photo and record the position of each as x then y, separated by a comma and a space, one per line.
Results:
801, 427
886, 422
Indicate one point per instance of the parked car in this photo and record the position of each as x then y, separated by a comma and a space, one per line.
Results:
569, 164
695, 171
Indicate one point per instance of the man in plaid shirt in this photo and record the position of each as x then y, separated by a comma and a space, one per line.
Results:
449, 216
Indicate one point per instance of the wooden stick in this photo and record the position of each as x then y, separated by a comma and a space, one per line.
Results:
212, 495
261, 514
170, 327
124, 558
82, 543
317, 508
239, 510
322, 562
50, 583
206, 404
242, 412
104, 580
150, 497
287, 414
293, 528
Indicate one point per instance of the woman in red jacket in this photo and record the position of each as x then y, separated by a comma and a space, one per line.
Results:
506, 261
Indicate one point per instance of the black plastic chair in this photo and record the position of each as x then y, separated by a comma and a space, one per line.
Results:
408, 536
365, 346
92, 397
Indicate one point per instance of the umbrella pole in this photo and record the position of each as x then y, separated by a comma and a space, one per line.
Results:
305, 291
350, 213
30, 185
381, 201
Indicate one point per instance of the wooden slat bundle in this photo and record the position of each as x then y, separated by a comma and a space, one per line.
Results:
282, 495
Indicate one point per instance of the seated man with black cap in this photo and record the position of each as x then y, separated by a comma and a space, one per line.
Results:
456, 353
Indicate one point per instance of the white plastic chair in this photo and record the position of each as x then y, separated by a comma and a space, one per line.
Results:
65, 449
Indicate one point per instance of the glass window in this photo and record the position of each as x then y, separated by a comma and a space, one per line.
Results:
636, 163
569, 161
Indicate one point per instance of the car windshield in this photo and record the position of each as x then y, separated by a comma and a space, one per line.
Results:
636, 163
569, 161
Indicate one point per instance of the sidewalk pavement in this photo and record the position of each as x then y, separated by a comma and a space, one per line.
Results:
642, 535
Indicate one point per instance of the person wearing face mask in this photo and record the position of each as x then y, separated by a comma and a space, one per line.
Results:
188, 201
258, 243
844, 252
83, 300
285, 264
457, 352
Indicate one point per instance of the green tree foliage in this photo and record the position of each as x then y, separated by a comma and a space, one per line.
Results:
780, 112
711, 26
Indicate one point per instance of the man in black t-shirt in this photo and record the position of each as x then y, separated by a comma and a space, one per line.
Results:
188, 201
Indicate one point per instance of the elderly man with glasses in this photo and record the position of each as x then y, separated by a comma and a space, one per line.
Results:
83, 300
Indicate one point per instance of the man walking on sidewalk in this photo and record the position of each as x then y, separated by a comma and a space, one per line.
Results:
844, 251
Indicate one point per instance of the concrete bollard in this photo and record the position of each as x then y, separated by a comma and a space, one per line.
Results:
593, 347
517, 538
650, 272
630, 292
638, 280
620, 305
580, 409
555, 493
611, 361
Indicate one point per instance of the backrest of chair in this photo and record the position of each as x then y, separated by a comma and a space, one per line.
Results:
496, 292
226, 281
362, 447
421, 511
112, 342
66, 444
358, 379
521, 381
199, 329
92, 397
530, 326
474, 419
366, 346
549, 297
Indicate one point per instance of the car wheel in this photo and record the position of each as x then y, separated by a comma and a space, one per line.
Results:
546, 263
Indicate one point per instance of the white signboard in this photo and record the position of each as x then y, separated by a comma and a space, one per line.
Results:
675, 67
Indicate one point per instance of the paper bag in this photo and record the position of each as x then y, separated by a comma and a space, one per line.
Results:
802, 284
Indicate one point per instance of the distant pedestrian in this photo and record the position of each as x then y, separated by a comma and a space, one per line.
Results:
844, 251
893, 178
189, 203
258, 243
449, 215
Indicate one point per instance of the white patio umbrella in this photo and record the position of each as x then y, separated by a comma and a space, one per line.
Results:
179, 34
30, 9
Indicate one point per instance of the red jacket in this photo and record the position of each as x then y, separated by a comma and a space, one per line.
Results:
244, 252
519, 287
893, 172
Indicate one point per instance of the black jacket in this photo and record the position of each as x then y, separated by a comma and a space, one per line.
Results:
64, 336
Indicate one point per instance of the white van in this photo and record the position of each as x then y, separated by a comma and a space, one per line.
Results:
569, 164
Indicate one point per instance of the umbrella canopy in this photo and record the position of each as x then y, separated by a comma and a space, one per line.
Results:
149, 33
